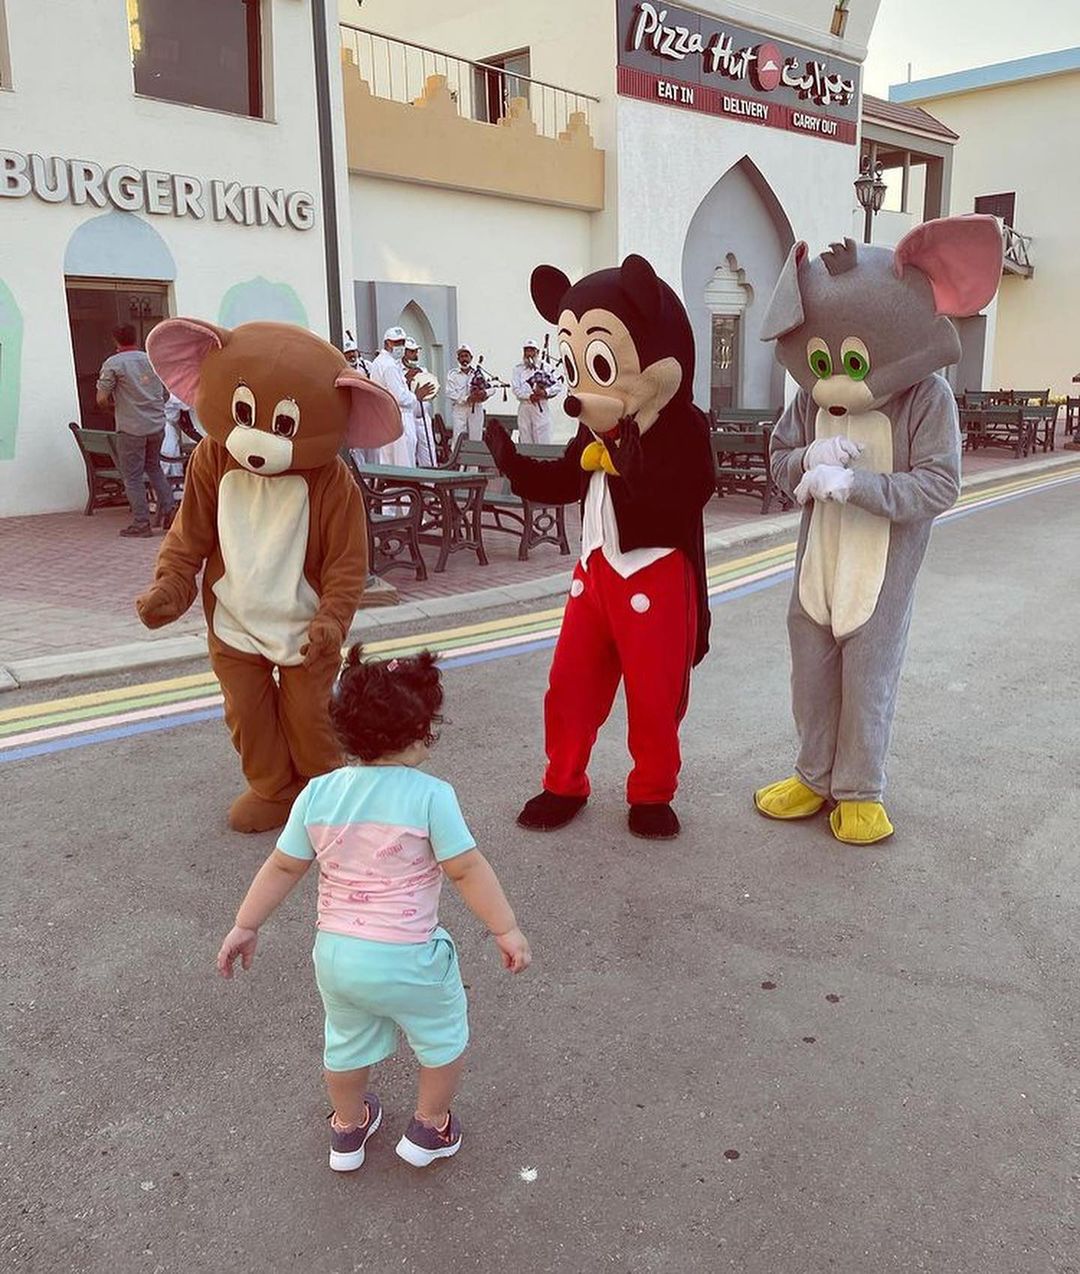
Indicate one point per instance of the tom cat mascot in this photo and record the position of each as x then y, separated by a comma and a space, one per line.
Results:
640, 464
276, 518
871, 448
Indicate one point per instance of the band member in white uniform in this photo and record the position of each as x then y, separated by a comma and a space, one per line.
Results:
388, 371
466, 400
534, 414
424, 387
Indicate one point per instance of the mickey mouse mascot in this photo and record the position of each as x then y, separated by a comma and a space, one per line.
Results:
641, 467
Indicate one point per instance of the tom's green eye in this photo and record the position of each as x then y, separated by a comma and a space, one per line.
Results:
855, 365
820, 363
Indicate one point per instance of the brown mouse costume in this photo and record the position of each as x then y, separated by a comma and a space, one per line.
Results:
642, 468
273, 519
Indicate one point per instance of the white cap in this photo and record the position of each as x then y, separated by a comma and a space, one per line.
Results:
394, 334
349, 344
411, 344
530, 344
466, 348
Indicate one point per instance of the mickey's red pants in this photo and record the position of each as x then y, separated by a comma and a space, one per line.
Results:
641, 630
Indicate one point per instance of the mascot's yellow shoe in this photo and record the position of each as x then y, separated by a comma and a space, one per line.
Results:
790, 798
860, 822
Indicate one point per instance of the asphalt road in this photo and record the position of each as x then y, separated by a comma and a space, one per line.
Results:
752, 1049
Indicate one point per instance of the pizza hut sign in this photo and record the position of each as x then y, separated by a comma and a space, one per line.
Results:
690, 60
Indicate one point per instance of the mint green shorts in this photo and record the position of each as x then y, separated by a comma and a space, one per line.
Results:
369, 989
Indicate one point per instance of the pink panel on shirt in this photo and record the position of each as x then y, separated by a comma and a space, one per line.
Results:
377, 881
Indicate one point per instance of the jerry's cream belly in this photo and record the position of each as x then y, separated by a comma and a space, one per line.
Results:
264, 603
843, 566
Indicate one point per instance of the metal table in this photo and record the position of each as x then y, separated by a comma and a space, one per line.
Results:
452, 503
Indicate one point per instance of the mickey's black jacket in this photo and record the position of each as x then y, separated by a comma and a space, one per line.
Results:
661, 509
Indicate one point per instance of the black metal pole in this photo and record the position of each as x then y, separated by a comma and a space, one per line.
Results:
329, 183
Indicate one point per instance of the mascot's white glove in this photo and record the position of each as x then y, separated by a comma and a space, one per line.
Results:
838, 451
825, 482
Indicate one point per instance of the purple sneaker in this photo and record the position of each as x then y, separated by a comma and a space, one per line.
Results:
422, 1145
347, 1148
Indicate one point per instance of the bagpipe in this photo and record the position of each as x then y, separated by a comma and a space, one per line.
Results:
548, 374
483, 384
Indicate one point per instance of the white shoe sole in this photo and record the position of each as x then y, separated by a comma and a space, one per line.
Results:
349, 1162
421, 1158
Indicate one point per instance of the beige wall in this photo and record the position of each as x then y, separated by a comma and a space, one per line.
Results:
484, 247
1022, 137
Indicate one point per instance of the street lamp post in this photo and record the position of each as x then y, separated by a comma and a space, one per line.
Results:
870, 190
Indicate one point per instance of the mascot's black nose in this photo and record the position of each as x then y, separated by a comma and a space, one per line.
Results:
572, 406
256, 462
837, 411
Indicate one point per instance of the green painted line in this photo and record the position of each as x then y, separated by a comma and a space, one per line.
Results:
107, 710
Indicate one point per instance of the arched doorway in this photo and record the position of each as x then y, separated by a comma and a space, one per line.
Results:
413, 319
737, 243
117, 270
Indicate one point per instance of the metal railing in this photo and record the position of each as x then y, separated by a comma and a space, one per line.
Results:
1017, 249
398, 70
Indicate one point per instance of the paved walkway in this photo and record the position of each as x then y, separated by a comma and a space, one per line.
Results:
69, 580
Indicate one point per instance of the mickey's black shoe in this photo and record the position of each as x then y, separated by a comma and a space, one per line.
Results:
546, 812
654, 822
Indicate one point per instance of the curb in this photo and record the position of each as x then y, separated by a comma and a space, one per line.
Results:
146, 654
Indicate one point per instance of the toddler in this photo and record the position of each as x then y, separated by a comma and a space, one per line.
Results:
383, 834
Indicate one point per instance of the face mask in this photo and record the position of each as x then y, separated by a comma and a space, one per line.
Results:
397, 352
413, 360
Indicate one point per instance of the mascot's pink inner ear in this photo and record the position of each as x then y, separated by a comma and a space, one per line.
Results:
177, 347
962, 258
374, 416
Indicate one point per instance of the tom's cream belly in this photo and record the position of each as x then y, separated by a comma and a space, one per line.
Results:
264, 603
843, 566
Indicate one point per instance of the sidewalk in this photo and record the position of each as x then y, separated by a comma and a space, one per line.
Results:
69, 581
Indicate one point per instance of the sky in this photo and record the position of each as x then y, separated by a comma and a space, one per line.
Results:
939, 36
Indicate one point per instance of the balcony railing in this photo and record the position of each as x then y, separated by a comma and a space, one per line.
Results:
398, 70
1017, 252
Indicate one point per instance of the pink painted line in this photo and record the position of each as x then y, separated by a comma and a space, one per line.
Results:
100, 723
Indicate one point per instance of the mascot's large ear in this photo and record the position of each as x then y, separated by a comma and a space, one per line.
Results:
548, 286
177, 347
785, 311
641, 284
374, 415
962, 258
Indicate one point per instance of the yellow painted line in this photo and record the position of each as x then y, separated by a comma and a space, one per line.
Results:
108, 696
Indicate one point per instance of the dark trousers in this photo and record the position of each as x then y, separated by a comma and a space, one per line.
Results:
140, 462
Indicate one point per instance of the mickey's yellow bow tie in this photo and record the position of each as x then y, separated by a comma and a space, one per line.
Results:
596, 456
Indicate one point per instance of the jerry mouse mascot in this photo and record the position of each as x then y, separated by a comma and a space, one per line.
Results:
641, 466
276, 518
870, 447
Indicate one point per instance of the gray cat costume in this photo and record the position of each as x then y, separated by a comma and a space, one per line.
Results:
871, 447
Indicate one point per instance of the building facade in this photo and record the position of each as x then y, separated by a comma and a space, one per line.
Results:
156, 157
1018, 123
472, 142
706, 139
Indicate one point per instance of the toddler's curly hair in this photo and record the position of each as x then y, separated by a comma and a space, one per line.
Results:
380, 707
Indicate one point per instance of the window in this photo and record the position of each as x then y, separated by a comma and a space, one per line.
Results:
1003, 206
493, 90
95, 307
839, 18
200, 52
